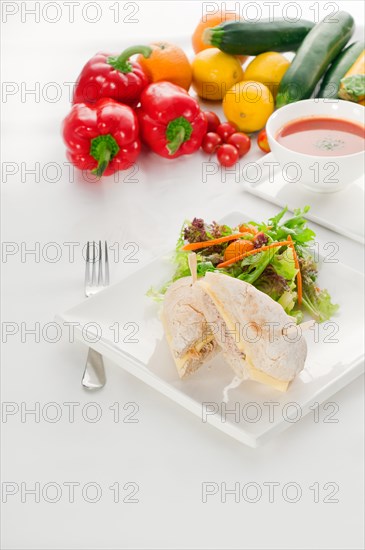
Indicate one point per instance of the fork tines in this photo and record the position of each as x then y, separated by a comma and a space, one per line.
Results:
97, 267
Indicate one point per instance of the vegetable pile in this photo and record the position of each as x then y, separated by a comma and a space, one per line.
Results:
322, 54
274, 257
120, 103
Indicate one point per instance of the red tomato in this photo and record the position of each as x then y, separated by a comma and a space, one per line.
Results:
211, 141
213, 121
241, 141
227, 155
226, 129
262, 141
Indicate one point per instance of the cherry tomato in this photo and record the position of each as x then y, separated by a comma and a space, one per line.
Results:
262, 141
226, 129
227, 155
211, 141
213, 121
241, 141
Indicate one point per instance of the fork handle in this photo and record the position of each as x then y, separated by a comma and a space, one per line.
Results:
94, 374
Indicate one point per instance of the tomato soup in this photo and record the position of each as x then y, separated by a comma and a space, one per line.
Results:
322, 136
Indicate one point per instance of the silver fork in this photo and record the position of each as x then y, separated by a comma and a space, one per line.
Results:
96, 278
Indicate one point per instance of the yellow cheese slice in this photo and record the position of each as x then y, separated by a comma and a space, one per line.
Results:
199, 345
264, 378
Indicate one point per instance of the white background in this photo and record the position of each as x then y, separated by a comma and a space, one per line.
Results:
169, 452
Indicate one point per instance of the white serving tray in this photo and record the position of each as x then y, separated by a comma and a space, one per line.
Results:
334, 360
342, 212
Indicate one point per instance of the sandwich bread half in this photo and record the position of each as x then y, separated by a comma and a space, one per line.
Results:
186, 328
250, 328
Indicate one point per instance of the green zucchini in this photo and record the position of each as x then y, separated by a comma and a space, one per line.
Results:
343, 62
250, 38
320, 47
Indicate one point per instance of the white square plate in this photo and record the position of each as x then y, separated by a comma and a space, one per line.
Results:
125, 326
342, 212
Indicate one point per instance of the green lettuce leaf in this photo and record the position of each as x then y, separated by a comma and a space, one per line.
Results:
256, 264
316, 301
295, 226
278, 280
284, 265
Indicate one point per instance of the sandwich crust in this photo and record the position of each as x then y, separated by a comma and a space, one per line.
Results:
250, 329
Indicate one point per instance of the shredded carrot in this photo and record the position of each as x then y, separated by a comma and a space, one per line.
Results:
205, 244
249, 253
251, 229
247, 228
297, 266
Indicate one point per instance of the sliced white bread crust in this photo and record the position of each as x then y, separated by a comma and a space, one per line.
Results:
251, 334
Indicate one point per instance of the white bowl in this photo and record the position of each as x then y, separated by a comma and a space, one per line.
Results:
323, 174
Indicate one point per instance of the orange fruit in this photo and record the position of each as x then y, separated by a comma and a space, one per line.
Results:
167, 62
207, 22
237, 248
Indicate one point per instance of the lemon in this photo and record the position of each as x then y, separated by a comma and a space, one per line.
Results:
248, 104
268, 68
214, 73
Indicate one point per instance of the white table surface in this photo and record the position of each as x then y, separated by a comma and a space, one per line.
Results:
169, 453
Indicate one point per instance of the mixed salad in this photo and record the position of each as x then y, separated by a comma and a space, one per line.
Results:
275, 257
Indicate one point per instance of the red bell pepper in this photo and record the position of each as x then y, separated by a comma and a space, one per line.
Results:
171, 121
113, 76
102, 138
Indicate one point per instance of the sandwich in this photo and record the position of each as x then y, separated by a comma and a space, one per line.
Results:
252, 330
185, 327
